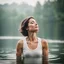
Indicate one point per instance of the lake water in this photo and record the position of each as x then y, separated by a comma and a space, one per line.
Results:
8, 50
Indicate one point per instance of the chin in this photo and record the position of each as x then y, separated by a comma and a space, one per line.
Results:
36, 30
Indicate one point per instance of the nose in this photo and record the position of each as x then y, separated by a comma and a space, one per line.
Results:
36, 24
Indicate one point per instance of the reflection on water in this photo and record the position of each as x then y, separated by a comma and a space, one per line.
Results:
8, 49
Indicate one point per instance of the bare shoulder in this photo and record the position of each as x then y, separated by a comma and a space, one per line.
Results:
20, 44
19, 47
44, 43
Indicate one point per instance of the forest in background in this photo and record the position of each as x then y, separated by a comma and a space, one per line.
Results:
49, 16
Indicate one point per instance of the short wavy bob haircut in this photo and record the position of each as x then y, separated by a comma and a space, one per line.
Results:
24, 25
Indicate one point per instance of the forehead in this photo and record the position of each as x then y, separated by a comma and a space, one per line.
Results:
32, 20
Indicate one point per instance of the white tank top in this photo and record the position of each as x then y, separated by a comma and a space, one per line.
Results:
32, 56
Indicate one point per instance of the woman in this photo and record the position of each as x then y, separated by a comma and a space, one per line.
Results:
31, 49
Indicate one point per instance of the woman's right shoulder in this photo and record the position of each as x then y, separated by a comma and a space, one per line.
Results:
20, 43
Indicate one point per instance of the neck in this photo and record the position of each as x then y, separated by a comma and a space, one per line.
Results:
32, 36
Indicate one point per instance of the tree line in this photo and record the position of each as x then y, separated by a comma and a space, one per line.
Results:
49, 16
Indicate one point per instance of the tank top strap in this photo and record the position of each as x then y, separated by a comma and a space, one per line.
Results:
24, 43
39, 43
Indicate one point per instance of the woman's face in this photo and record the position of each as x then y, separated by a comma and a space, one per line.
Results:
32, 26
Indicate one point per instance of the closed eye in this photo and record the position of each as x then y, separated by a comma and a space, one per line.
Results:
32, 22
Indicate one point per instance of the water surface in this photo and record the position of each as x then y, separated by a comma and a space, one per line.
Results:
8, 50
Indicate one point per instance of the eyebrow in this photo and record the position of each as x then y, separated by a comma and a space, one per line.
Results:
32, 21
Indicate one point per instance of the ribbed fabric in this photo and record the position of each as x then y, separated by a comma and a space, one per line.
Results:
32, 56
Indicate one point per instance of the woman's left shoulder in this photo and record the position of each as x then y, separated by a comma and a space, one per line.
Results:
44, 42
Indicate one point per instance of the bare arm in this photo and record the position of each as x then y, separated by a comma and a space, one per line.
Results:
45, 51
19, 51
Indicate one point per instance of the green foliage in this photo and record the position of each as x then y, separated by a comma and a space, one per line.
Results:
50, 18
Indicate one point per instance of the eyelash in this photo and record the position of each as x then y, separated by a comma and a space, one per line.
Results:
31, 22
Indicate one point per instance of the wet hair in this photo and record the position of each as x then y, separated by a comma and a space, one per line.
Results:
24, 25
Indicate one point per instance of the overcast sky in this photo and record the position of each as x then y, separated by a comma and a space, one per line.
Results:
30, 2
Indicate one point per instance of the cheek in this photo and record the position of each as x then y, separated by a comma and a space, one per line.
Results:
31, 26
